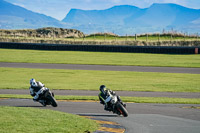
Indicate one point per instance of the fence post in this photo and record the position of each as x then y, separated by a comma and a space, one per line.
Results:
146, 37
135, 37
196, 50
94, 37
53, 35
184, 36
171, 37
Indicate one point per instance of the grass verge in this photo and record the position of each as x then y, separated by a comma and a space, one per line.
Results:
99, 58
18, 78
163, 100
23, 120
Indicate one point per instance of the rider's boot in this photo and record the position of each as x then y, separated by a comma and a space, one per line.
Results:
106, 107
42, 102
124, 104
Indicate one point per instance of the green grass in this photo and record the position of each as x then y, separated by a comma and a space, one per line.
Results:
139, 38
163, 100
18, 78
31, 120
99, 58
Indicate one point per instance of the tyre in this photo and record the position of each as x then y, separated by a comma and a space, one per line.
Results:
122, 109
53, 101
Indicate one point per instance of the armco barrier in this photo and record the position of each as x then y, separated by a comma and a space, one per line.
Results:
103, 48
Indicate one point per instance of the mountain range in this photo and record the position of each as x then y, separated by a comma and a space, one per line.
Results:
16, 17
122, 19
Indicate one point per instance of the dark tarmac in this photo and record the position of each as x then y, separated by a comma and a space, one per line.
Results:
120, 93
102, 67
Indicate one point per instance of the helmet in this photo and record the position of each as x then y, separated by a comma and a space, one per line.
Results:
32, 81
102, 88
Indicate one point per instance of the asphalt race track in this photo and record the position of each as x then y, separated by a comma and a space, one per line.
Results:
102, 67
143, 117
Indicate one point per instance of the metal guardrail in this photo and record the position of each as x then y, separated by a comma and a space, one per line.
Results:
103, 48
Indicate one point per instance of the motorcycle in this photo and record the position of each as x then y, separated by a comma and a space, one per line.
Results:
115, 105
48, 98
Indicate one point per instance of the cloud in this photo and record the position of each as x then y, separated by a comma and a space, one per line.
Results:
17, 4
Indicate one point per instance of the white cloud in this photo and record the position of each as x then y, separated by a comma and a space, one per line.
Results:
18, 4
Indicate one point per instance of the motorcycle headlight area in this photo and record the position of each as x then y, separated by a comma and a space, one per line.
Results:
114, 100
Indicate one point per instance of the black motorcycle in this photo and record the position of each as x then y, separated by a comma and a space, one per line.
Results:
48, 98
115, 105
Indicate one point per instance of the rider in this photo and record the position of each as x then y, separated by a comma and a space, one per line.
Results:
103, 97
36, 89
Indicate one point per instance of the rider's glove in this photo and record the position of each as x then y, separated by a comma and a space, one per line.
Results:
32, 95
113, 93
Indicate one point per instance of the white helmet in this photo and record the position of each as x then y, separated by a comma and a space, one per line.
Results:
32, 82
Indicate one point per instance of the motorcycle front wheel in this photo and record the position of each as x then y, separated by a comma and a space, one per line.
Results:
53, 101
122, 109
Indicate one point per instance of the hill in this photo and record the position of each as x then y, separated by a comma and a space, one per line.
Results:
48, 32
126, 19
16, 17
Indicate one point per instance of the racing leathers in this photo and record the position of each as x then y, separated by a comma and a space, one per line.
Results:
104, 99
36, 89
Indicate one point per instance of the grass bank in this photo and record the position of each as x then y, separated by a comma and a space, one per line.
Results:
23, 120
99, 58
56, 36
18, 78
163, 100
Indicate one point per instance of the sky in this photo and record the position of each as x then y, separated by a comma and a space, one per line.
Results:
59, 8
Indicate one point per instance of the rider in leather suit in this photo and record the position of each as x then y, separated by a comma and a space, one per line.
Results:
36, 90
103, 95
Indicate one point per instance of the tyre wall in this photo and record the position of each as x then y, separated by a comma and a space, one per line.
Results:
103, 48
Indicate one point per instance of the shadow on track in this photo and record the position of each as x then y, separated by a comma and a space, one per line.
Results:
98, 115
37, 106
